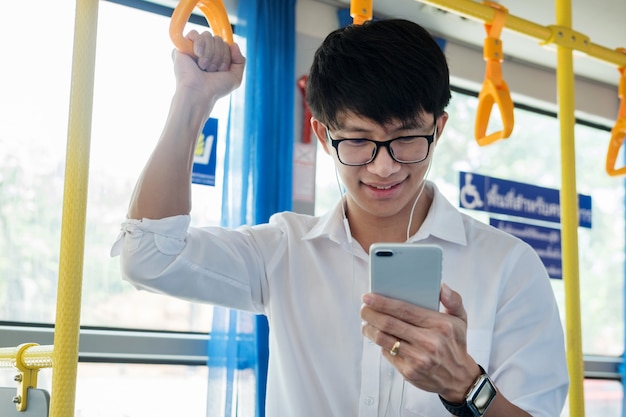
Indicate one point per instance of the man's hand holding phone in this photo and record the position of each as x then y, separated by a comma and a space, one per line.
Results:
428, 347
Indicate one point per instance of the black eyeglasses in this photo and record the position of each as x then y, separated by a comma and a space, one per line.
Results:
404, 149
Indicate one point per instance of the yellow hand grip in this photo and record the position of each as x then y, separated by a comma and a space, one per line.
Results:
618, 133
495, 89
361, 11
489, 95
215, 14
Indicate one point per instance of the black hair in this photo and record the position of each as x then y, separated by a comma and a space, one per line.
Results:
382, 70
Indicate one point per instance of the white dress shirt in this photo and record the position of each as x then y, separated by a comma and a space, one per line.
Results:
303, 273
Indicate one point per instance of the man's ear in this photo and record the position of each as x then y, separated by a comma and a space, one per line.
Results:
441, 123
320, 132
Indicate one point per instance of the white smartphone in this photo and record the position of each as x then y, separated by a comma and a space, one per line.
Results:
409, 272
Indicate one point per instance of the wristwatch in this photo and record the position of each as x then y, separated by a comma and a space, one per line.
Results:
477, 399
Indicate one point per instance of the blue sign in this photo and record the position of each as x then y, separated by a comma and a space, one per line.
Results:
493, 195
546, 242
204, 158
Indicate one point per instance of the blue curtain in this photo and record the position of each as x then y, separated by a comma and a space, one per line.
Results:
257, 184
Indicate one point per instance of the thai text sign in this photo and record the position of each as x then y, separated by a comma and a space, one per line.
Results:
544, 240
493, 195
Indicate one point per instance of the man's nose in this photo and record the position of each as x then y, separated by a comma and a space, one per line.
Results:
383, 164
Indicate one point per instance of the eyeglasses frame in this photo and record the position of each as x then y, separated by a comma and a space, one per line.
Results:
387, 144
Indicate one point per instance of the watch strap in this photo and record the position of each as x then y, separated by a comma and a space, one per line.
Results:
463, 409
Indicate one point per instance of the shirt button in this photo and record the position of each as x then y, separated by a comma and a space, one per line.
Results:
369, 401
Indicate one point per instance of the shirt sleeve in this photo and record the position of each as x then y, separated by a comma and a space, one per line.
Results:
529, 348
208, 265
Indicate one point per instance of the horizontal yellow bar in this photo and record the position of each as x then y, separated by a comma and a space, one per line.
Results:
33, 357
481, 12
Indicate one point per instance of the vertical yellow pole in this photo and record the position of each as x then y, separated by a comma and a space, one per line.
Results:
569, 213
67, 327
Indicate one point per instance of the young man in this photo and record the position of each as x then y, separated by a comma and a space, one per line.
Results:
377, 93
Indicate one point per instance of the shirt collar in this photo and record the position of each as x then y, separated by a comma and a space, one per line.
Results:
331, 225
443, 221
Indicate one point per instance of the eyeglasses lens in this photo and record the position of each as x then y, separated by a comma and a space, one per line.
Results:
405, 150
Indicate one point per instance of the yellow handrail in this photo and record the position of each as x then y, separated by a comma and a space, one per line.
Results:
27, 358
67, 322
63, 357
569, 214
31, 355
556, 34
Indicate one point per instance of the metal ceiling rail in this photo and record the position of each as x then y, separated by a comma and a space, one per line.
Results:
560, 35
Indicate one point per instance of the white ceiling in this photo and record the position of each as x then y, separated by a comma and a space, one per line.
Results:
603, 21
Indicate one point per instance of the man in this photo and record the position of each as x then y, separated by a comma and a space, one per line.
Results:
378, 94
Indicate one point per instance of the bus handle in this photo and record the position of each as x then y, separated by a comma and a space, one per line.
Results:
494, 89
361, 11
618, 133
215, 14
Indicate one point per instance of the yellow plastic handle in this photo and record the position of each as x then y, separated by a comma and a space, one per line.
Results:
215, 14
490, 95
618, 133
495, 89
361, 11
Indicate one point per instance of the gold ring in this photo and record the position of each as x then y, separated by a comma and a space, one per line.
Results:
395, 348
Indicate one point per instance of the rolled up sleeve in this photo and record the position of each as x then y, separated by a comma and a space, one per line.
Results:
209, 265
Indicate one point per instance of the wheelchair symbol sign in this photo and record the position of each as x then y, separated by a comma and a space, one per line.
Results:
511, 198
470, 195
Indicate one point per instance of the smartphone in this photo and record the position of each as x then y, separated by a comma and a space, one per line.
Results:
409, 272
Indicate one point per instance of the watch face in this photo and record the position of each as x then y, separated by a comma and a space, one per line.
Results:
482, 395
